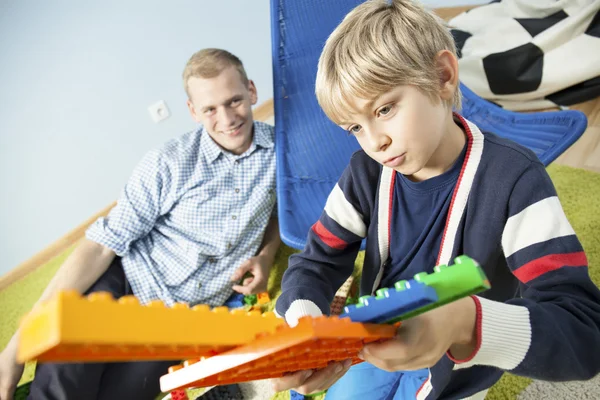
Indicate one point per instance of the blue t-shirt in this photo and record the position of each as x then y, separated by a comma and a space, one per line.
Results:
419, 214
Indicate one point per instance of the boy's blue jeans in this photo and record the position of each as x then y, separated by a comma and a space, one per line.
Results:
364, 381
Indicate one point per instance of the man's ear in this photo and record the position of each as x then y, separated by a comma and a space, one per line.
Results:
447, 67
253, 92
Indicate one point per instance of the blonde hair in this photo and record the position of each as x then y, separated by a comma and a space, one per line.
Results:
379, 45
208, 63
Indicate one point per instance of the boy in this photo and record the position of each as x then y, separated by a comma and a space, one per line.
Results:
427, 187
196, 215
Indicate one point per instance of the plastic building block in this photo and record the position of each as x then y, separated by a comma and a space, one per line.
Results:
263, 298
235, 301
70, 327
179, 395
390, 303
337, 305
450, 283
226, 392
296, 396
311, 344
341, 297
250, 300
22, 391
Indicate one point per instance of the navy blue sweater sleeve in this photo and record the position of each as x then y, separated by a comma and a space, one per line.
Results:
552, 331
314, 275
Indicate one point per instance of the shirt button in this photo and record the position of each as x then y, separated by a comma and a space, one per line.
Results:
237, 190
228, 245
237, 161
233, 217
212, 260
199, 285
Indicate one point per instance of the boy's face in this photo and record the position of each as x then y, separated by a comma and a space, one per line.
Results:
401, 129
223, 104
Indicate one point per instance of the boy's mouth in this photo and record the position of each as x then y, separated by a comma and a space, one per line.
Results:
395, 161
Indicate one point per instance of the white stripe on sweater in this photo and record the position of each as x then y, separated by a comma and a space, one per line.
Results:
505, 336
341, 211
537, 223
383, 220
461, 194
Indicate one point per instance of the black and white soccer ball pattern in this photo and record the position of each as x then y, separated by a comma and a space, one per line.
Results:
530, 54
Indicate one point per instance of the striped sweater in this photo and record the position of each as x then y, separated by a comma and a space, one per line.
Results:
540, 319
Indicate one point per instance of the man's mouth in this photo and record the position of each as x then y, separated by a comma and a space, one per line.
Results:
234, 130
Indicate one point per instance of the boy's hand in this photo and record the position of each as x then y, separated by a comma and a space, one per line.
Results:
307, 382
421, 341
259, 267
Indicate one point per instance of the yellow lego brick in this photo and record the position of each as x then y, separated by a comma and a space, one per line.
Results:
71, 327
263, 298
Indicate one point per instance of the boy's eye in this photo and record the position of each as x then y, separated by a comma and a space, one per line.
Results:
354, 129
236, 102
384, 110
209, 111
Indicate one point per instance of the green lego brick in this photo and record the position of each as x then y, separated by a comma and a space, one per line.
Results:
451, 283
250, 299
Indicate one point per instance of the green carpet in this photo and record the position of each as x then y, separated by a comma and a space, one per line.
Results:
578, 191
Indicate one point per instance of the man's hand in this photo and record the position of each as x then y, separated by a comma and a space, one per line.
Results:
421, 341
259, 267
307, 382
10, 372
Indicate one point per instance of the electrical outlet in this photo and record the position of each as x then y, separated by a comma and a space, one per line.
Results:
159, 111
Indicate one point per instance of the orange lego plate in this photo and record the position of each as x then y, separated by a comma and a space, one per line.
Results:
312, 344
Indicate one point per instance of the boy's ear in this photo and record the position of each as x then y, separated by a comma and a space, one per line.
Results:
253, 92
193, 111
447, 66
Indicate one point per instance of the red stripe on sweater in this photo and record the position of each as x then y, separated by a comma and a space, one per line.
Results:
478, 332
459, 181
540, 266
390, 207
327, 237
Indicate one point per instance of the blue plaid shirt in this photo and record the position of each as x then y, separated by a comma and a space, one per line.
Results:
190, 214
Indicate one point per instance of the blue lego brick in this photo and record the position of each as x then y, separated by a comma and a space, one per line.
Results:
390, 303
235, 301
296, 396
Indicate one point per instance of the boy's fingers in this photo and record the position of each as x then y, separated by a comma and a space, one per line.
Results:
389, 363
290, 381
391, 349
324, 378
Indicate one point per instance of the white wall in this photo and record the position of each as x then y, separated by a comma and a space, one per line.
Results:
76, 78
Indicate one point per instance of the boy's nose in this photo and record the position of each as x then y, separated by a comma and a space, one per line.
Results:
379, 142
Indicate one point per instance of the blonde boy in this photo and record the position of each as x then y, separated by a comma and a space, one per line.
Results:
428, 186
195, 216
